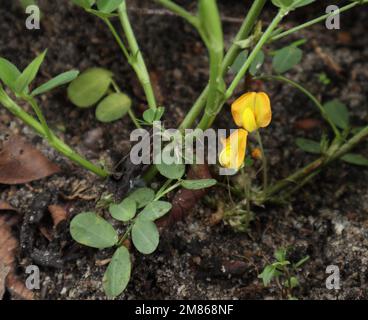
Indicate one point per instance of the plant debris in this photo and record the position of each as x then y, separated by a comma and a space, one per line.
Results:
8, 278
58, 214
21, 163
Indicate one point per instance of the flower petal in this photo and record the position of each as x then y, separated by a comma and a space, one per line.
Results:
263, 113
248, 120
225, 157
240, 104
233, 154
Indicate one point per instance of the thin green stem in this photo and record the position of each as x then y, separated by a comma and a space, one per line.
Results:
40, 117
243, 33
247, 187
134, 118
318, 164
15, 109
207, 119
300, 185
130, 111
173, 187
228, 60
125, 235
117, 38
136, 58
314, 21
162, 189
309, 95
180, 11
54, 141
162, 192
264, 160
240, 75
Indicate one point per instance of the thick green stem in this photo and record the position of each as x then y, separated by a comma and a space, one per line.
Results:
194, 112
207, 119
309, 95
215, 80
258, 6
53, 140
136, 58
228, 60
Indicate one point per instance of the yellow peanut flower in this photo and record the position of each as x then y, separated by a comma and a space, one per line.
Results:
233, 154
252, 111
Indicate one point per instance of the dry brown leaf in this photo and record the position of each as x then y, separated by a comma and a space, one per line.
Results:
344, 38
4, 270
327, 59
101, 263
58, 214
21, 163
155, 79
8, 247
307, 124
46, 233
17, 288
5, 206
217, 216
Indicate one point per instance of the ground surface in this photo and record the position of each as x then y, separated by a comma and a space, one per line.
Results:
196, 259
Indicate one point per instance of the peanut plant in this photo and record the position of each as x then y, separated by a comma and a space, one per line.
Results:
283, 272
252, 113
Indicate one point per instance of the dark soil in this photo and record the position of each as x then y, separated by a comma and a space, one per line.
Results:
196, 259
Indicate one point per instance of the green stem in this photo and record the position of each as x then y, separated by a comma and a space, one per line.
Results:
207, 119
228, 60
247, 191
40, 117
264, 161
300, 185
314, 21
196, 109
242, 34
130, 111
318, 164
117, 38
173, 187
240, 75
53, 140
136, 58
126, 234
216, 57
162, 189
162, 192
180, 11
309, 95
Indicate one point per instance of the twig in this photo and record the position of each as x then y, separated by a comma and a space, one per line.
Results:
162, 12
